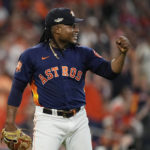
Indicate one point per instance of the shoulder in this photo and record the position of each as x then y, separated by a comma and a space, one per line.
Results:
83, 49
33, 51
88, 52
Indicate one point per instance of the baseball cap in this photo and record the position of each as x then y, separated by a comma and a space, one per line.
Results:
61, 16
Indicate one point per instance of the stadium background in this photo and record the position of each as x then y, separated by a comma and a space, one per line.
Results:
119, 110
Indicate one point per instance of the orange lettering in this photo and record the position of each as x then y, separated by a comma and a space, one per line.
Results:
79, 74
64, 71
73, 72
55, 71
43, 79
48, 74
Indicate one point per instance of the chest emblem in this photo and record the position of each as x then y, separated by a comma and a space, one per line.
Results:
65, 71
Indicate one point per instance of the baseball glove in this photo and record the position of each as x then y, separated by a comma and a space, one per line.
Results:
16, 140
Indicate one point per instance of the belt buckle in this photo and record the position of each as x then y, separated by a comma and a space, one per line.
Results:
68, 112
74, 111
64, 115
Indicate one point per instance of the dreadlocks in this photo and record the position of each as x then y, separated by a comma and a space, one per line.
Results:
46, 35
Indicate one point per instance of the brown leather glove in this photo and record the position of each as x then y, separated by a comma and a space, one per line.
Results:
16, 140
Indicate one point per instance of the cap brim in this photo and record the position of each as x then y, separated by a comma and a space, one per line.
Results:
77, 20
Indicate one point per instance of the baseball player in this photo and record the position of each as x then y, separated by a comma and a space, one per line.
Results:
55, 68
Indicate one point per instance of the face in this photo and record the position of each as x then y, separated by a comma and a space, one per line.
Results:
68, 33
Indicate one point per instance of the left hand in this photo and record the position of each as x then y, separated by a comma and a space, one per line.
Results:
123, 44
16, 140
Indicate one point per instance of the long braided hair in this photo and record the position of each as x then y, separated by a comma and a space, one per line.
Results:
46, 36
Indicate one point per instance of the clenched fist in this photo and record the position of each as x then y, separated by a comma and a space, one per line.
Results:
123, 44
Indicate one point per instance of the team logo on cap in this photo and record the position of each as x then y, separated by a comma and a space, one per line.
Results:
72, 13
59, 20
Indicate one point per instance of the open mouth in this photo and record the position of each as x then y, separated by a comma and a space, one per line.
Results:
75, 36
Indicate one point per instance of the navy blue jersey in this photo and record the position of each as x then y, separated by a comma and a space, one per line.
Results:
58, 83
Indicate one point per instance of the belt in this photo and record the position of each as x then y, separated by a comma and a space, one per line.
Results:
64, 113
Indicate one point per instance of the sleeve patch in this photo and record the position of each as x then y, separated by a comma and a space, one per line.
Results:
19, 66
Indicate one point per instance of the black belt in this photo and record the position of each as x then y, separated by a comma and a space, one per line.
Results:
64, 113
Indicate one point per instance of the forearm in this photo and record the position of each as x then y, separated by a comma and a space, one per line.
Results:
117, 63
11, 116
14, 101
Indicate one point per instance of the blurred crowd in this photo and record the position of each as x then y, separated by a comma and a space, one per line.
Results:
118, 110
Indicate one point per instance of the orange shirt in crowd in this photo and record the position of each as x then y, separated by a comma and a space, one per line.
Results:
94, 103
22, 115
5, 87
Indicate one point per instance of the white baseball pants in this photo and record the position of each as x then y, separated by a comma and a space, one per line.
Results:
50, 131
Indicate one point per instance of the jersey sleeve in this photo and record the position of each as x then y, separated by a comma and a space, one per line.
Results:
16, 92
23, 75
99, 65
24, 69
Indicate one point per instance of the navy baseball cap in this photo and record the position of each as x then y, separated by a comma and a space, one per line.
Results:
61, 16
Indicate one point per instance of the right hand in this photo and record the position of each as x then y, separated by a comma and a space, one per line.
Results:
123, 44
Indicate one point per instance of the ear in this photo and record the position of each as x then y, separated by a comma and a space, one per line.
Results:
56, 29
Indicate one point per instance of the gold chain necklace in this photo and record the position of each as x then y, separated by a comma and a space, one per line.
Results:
54, 53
